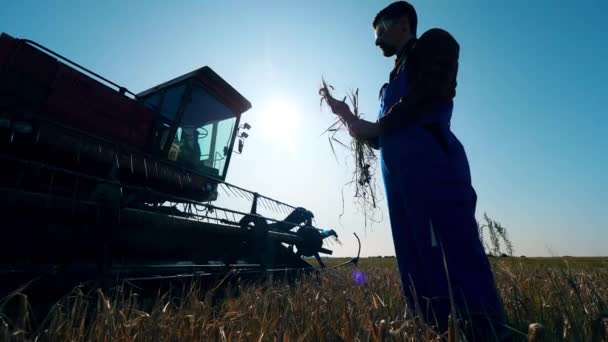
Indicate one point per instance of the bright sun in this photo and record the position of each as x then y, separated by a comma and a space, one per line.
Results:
280, 121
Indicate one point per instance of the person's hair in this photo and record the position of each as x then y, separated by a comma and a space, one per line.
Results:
397, 10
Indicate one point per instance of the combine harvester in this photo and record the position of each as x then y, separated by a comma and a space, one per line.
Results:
98, 182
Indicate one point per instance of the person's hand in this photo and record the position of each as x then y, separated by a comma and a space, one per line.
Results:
361, 129
340, 108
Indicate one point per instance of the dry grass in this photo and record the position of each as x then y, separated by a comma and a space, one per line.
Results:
363, 155
567, 299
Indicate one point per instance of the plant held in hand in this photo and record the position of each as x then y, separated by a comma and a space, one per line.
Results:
363, 154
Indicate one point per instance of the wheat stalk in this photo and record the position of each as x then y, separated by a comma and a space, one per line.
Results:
363, 177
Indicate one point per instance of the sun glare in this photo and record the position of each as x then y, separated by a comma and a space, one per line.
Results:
280, 121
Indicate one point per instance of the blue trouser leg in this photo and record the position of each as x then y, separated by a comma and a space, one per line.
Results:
426, 188
423, 269
420, 264
472, 281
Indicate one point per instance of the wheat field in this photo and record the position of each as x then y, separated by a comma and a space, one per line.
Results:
568, 296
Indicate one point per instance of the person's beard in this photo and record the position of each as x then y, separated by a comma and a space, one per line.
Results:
387, 50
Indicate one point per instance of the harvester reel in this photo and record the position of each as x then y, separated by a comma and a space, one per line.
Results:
253, 222
312, 243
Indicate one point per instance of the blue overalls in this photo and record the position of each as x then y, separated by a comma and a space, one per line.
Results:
431, 207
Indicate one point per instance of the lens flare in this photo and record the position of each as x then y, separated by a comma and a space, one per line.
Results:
359, 277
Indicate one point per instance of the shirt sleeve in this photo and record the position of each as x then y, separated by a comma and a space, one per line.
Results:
433, 66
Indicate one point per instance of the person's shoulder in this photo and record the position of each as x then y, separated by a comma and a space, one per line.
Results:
437, 34
437, 38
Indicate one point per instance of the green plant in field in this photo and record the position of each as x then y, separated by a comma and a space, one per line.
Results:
497, 234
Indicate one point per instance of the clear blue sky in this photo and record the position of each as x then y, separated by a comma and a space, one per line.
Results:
530, 106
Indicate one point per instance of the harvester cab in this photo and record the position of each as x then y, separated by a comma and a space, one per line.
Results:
197, 121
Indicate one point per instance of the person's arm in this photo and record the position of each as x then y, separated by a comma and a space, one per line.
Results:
433, 65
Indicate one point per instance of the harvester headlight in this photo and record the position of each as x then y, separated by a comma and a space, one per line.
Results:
5, 123
23, 127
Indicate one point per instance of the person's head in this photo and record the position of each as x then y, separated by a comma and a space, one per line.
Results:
394, 26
